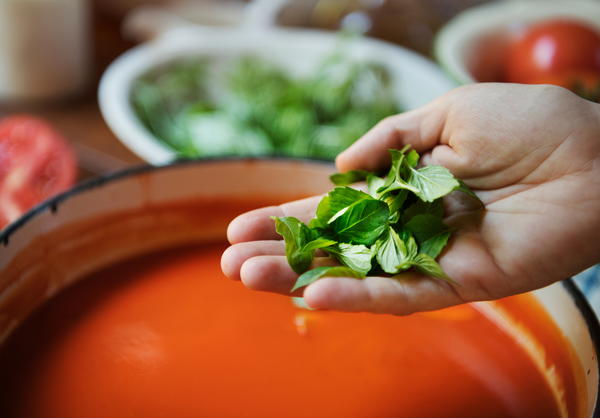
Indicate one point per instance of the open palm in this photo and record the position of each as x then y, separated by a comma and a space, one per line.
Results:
533, 155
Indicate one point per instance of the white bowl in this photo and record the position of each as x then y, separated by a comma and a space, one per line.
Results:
416, 80
471, 47
103, 221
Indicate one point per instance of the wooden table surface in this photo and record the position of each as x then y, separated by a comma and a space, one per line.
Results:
97, 148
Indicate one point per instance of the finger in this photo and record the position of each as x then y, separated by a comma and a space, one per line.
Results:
398, 296
421, 128
273, 274
268, 273
451, 158
234, 256
258, 225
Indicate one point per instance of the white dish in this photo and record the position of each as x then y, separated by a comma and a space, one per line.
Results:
416, 80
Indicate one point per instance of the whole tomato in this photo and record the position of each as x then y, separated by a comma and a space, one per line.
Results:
556, 48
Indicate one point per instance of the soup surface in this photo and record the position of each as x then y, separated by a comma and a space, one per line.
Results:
166, 335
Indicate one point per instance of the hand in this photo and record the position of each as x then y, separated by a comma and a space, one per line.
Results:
533, 155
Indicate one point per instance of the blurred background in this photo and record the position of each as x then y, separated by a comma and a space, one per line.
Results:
95, 34
204, 78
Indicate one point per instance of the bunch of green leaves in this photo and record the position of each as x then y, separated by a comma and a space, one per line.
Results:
394, 227
162, 97
249, 106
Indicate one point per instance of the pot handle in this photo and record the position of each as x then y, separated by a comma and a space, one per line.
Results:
149, 22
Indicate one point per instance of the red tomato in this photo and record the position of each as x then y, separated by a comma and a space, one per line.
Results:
35, 163
553, 48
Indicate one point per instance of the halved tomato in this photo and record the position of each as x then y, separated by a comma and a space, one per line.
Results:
35, 164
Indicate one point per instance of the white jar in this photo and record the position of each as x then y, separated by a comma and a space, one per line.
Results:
44, 49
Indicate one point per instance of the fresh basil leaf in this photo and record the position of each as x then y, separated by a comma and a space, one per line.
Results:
412, 249
400, 172
337, 215
395, 170
356, 257
395, 202
434, 245
467, 190
425, 226
349, 177
362, 223
432, 182
398, 184
427, 265
431, 233
317, 244
316, 224
373, 184
412, 158
337, 200
324, 211
315, 274
296, 236
390, 252
435, 208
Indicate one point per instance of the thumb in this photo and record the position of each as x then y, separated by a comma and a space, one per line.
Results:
421, 128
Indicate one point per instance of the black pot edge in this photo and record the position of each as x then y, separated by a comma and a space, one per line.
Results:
592, 323
53, 204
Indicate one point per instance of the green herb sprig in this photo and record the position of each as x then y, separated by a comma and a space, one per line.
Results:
250, 106
396, 226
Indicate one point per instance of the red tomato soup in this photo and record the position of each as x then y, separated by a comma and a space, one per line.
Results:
166, 335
